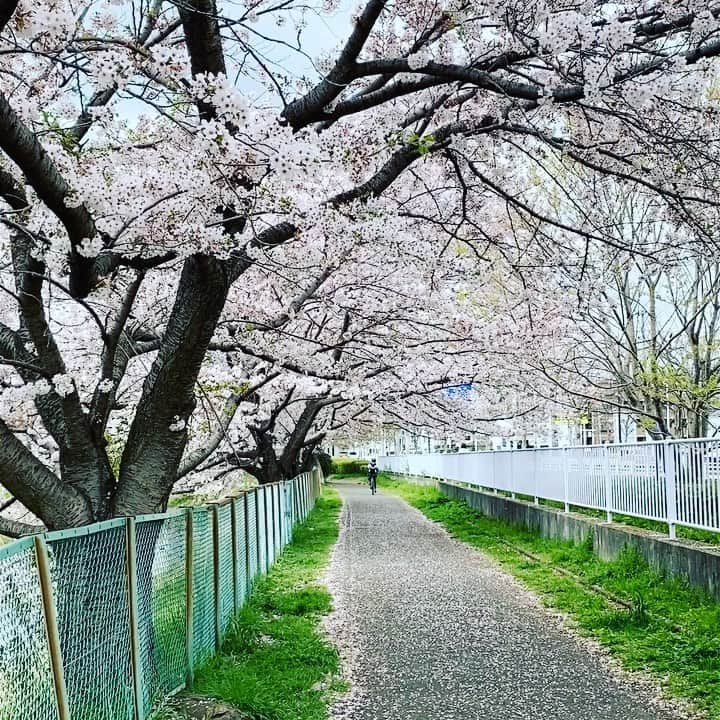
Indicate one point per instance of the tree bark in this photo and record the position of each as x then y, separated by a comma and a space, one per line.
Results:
153, 450
83, 462
37, 488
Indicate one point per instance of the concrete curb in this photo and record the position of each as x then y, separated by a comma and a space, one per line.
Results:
697, 563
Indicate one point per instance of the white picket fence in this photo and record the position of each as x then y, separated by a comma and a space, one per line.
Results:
676, 481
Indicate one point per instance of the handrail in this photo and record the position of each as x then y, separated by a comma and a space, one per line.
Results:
672, 481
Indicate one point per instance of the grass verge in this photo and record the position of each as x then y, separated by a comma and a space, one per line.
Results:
650, 623
275, 663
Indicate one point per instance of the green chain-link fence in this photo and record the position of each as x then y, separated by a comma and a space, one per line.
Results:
89, 578
261, 507
106, 621
26, 679
241, 550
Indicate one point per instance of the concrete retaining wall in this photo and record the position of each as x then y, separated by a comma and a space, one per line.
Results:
415, 479
697, 563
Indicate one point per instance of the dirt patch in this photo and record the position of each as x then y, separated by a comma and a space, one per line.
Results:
202, 708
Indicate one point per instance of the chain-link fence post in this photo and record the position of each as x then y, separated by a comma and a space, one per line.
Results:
42, 563
267, 531
288, 511
135, 657
234, 532
258, 527
246, 525
303, 495
301, 498
216, 571
189, 600
295, 511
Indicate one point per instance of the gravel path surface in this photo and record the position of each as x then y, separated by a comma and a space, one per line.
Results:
431, 629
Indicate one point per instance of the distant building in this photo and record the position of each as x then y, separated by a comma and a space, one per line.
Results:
594, 427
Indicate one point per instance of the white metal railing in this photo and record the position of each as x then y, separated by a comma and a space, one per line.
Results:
673, 481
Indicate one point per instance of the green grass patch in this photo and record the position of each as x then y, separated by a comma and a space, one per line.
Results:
276, 663
687, 533
661, 626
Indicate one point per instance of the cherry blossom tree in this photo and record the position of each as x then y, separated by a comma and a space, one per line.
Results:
385, 336
146, 193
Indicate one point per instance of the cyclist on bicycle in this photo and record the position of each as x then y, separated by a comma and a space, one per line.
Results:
372, 475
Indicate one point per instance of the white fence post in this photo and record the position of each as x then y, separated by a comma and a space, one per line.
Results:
566, 479
608, 484
512, 474
670, 487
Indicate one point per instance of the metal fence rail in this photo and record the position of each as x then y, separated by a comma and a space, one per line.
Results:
104, 622
676, 481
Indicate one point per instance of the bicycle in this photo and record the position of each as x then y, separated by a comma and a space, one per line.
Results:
372, 481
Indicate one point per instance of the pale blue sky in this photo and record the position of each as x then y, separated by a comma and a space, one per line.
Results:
323, 33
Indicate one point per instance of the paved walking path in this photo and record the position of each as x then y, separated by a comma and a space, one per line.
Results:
440, 633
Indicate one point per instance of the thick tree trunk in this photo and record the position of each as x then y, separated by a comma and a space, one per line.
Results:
270, 470
158, 434
307, 457
84, 463
59, 505
290, 460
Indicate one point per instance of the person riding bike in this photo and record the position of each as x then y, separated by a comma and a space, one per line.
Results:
372, 476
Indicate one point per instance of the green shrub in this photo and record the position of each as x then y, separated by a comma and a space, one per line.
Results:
349, 466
